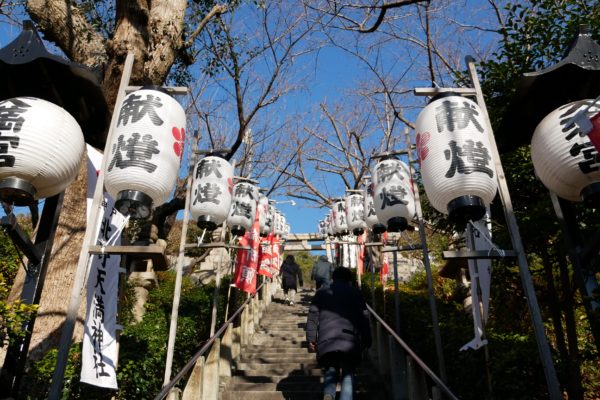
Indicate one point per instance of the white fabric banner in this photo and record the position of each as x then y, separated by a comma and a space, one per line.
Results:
99, 352
481, 274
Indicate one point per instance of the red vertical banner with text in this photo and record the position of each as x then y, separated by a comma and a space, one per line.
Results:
385, 265
246, 263
265, 258
276, 255
360, 261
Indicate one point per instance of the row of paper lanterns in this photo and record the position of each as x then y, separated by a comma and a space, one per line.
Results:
458, 170
216, 199
387, 203
41, 148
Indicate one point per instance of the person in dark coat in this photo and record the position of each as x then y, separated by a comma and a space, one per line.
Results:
321, 272
338, 329
291, 276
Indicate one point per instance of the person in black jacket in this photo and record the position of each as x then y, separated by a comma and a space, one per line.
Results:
338, 329
291, 275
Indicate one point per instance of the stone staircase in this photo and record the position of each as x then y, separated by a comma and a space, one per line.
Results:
277, 365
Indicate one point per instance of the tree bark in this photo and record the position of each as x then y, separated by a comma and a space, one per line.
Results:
65, 25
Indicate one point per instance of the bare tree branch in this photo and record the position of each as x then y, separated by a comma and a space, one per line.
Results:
216, 10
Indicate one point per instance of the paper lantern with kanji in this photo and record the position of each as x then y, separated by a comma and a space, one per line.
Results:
322, 228
41, 148
330, 227
369, 208
277, 222
243, 208
340, 224
262, 208
212, 185
393, 198
566, 162
355, 213
457, 168
145, 151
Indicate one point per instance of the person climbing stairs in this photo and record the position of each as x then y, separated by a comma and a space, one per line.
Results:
277, 364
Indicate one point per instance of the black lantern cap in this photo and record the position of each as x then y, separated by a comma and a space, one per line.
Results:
28, 69
238, 230
575, 77
397, 224
466, 208
379, 228
206, 222
134, 203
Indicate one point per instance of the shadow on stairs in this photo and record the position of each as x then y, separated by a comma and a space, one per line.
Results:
277, 364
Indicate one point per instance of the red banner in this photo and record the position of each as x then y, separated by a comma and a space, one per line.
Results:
275, 255
265, 258
246, 263
385, 266
360, 262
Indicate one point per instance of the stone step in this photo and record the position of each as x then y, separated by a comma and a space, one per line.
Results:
273, 395
282, 334
280, 358
257, 368
268, 351
279, 341
281, 386
281, 344
294, 395
276, 317
276, 379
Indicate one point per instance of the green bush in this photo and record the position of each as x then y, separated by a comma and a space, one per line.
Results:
12, 315
143, 346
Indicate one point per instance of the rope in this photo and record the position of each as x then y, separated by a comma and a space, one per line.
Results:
488, 240
114, 236
200, 239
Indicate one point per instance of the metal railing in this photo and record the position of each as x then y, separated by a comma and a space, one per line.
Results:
439, 383
190, 364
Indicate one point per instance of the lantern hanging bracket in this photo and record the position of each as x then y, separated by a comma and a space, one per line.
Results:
245, 179
438, 90
217, 152
479, 254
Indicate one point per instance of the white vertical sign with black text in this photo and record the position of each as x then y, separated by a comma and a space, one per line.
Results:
99, 352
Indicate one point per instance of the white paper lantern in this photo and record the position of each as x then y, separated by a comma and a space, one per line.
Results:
394, 199
340, 224
370, 215
243, 208
262, 208
145, 151
212, 185
330, 227
322, 228
277, 222
565, 161
41, 148
457, 168
355, 213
